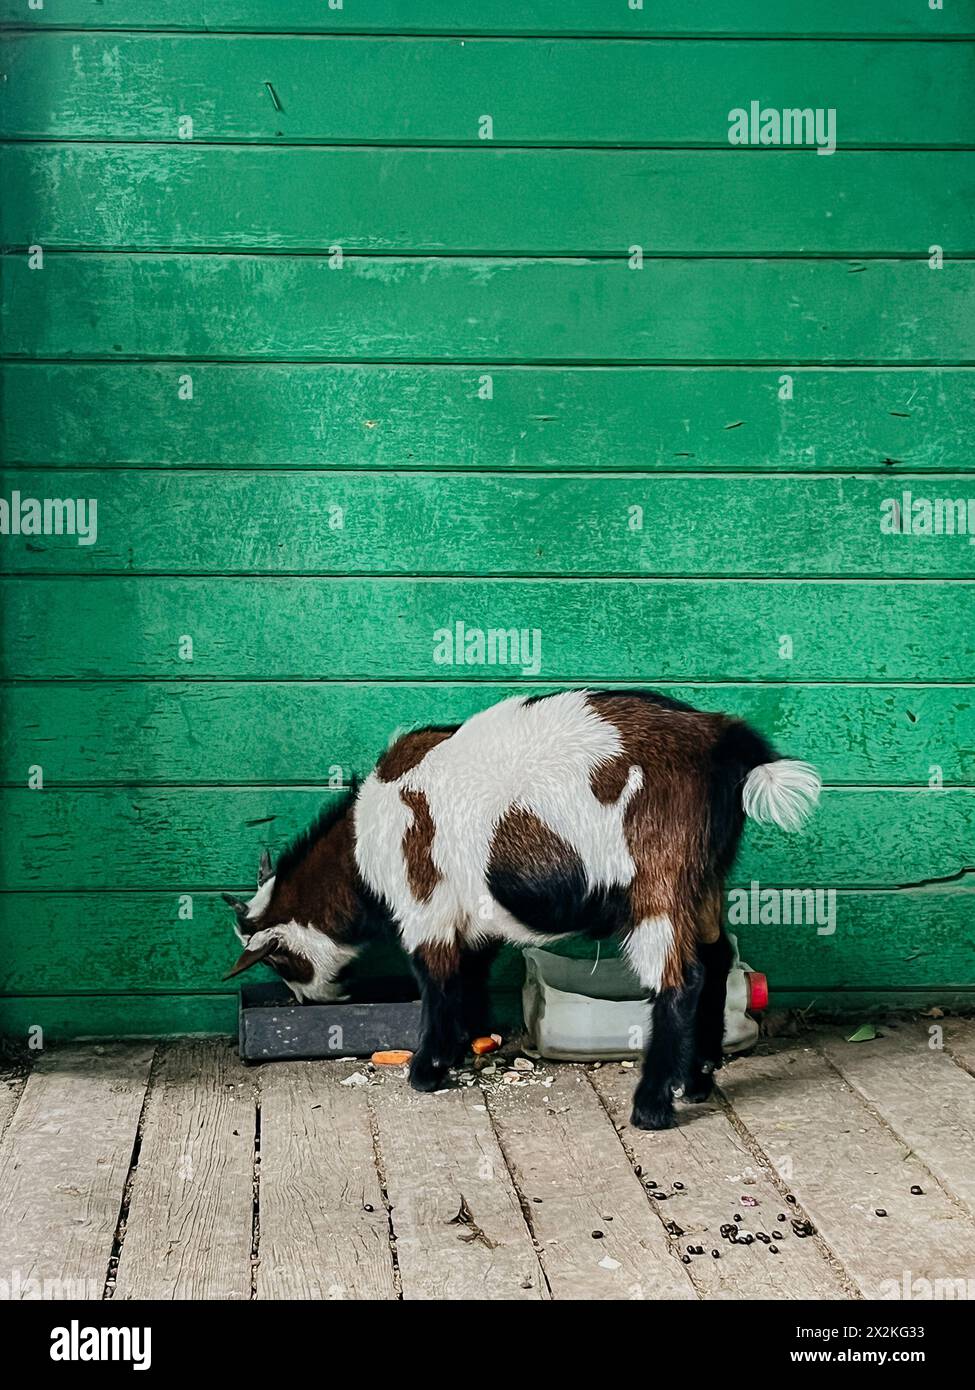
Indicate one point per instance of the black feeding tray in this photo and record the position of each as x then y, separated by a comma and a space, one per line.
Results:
273, 1026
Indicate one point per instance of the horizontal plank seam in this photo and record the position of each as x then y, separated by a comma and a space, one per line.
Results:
408, 35
853, 146
533, 257
559, 363
251, 364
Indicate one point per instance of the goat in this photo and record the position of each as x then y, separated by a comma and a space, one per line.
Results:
595, 812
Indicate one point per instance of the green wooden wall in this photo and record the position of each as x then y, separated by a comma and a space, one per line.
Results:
485, 409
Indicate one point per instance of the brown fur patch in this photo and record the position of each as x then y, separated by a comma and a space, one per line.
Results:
609, 779
421, 871
292, 965
441, 958
322, 890
666, 821
709, 918
520, 838
410, 750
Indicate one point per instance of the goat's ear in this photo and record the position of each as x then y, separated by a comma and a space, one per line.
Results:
237, 904
251, 957
265, 871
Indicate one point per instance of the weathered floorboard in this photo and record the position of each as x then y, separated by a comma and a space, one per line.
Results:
960, 1041
707, 1155
844, 1165
11, 1089
63, 1166
441, 1161
572, 1172
324, 1230
188, 1232
918, 1091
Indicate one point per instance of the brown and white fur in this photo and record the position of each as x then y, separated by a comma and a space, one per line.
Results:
600, 813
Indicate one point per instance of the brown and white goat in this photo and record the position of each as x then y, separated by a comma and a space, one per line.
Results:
586, 811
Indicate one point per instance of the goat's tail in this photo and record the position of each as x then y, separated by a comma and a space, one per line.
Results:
751, 779
783, 792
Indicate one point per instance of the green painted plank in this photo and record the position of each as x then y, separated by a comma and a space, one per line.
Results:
228, 732
117, 1015
476, 524
764, 18
436, 91
58, 943
576, 630
694, 418
191, 838
583, 202
374, 308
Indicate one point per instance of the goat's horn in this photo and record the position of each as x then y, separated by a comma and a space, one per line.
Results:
265, 871
238, 906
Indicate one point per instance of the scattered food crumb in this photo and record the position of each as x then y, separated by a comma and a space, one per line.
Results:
391, 1058
608, 1263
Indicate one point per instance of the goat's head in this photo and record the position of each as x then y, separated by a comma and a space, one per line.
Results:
304, 956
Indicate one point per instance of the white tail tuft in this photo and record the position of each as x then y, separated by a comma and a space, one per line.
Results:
783, 793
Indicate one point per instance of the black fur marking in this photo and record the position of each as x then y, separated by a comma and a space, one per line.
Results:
715, 958
443, 1038
475, 968
299, 848
669, 1054
560, 903
738, 750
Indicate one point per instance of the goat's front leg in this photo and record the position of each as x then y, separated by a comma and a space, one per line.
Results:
669, 1053
443, 1037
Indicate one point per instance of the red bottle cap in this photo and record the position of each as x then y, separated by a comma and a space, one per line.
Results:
757, 991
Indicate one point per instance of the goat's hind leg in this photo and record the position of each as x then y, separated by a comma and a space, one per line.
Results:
650, 947
715, 955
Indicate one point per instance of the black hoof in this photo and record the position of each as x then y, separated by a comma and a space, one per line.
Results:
699, 1087
426, 1075
653, 1116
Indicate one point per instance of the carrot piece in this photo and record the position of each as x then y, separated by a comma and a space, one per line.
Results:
390, 1059
480, 1046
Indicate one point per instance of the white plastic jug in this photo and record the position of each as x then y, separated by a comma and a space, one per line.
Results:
576, 1011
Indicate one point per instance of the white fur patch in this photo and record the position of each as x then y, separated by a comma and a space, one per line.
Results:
783, 793
647, 948
326, 956
536, 757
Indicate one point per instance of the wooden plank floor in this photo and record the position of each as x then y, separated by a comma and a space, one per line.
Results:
171, 1171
